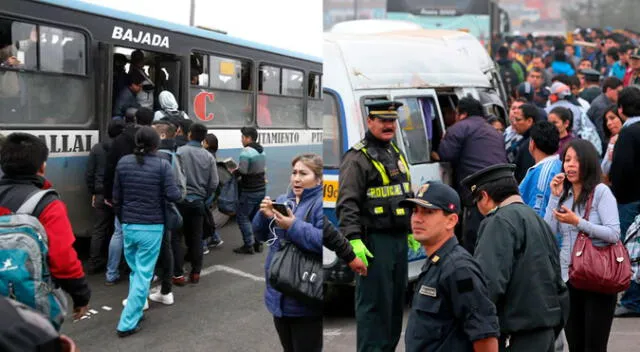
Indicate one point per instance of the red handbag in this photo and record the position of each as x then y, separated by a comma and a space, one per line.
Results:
599, 269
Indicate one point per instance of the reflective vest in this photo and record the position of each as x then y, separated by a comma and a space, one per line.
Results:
380, 209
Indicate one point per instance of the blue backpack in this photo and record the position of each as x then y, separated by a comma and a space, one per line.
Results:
24, 267
227, 192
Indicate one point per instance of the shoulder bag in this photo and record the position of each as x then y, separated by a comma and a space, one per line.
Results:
297, 273
599, 269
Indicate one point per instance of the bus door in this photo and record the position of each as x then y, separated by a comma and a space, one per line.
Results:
167, 76
420, 128
104, 82
162, 72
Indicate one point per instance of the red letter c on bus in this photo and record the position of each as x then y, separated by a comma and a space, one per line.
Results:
200, 105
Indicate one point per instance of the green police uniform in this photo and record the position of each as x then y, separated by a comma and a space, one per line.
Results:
519, 257
374, 178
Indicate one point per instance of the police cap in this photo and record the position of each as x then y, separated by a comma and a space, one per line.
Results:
635, 54
435, 195
486, 175
590, 74
383, 109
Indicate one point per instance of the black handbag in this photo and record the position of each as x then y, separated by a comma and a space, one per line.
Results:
297, 273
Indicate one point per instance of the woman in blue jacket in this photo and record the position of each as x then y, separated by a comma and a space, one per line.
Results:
299, 325
143, 184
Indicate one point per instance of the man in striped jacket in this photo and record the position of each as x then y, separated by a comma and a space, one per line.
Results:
535, 187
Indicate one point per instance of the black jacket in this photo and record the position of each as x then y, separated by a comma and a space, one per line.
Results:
335, 241
596, 112
123, 145
96, 167
520, 259
524, 160
625, 168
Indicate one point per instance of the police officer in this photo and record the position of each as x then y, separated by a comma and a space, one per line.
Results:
374, 178
519, 258
451, 309
592, 83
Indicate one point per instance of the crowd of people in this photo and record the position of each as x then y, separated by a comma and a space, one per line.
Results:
526, 195
154, 182
587, 87
500, 241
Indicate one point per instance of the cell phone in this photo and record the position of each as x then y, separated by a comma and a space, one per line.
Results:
281, 208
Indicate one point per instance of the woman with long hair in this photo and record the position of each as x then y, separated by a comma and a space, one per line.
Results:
299, 325
563, 120
612, 126
143, 184
591, 313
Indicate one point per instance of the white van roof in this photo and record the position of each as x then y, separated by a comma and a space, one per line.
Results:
373, 26
384, 62
462, 42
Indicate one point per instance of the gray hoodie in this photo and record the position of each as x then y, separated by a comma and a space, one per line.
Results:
168, 106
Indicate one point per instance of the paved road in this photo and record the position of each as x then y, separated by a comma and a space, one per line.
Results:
224, 312
340, 330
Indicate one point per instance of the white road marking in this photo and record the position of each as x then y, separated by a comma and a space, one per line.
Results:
93, 311
107, 308
332, 332
223, 268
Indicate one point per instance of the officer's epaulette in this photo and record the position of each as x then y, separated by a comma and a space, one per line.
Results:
360, 145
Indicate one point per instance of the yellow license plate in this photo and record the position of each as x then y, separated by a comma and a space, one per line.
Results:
330, 189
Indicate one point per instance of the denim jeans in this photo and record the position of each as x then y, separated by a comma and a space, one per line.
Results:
141, 248
248, 206
115, 252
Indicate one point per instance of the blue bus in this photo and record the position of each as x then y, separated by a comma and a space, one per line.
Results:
59, 67
484, 19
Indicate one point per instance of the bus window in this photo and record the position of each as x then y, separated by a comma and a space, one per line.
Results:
199, 65
62, 51
331, 138
230, 74
292, 82
314, 85
18, 48
281, 98
270, 80
28, 97
314, 102
435, 130
222, 96
414, 133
